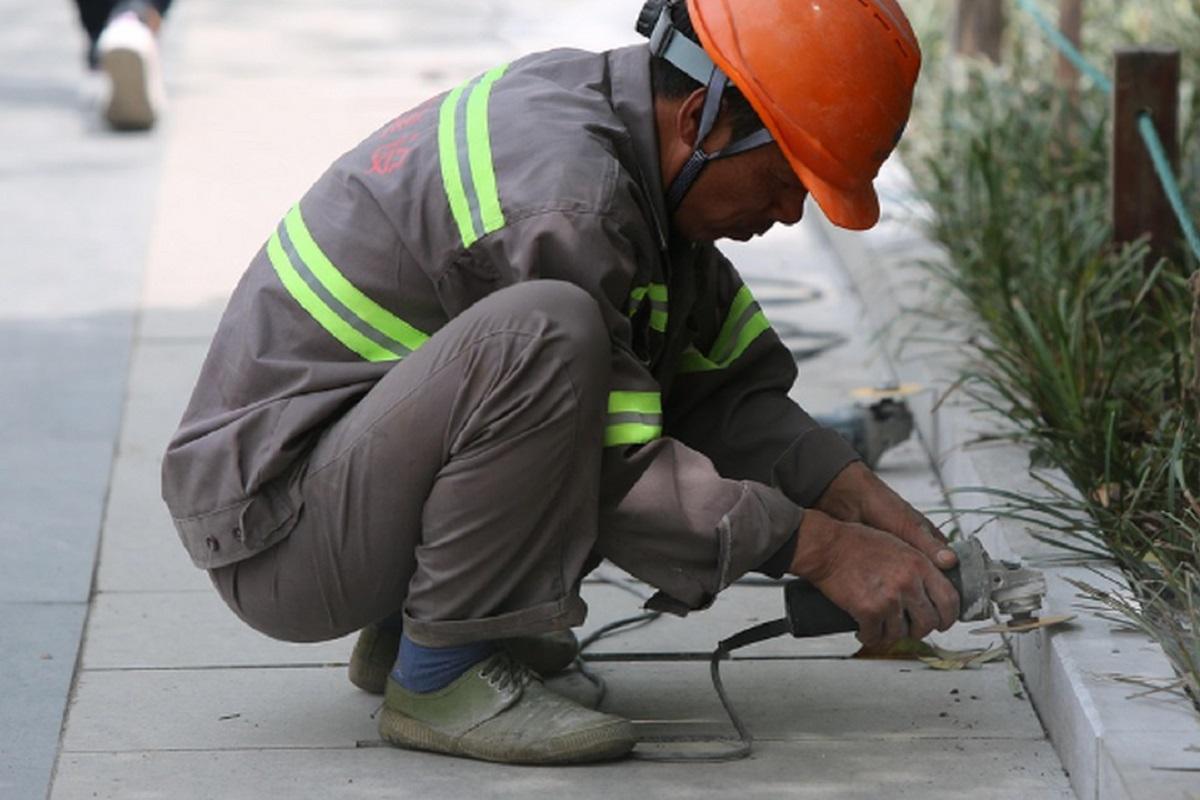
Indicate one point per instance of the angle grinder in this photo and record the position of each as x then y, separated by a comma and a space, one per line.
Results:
1015, 591
981, 581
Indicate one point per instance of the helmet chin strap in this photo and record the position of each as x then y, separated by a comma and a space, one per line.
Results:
668, 43
700, 158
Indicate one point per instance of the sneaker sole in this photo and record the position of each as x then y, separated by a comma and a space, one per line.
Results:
601, 743
130, 107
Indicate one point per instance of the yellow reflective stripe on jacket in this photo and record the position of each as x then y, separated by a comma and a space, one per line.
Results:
633, 418
465, 153
337, 305
743, 324
658, 304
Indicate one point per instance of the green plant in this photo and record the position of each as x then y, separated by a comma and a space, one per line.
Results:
1085, 347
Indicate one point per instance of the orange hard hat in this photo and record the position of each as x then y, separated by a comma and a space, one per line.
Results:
832, 80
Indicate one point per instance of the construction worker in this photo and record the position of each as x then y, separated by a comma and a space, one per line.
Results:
494, 343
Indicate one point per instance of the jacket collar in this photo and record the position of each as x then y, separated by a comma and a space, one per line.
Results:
633, 102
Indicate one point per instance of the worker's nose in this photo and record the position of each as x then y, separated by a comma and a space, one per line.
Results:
789, 206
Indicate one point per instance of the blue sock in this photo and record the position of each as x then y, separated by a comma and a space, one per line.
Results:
426, 669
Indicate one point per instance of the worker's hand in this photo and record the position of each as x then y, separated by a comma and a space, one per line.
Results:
890, 588
859, 495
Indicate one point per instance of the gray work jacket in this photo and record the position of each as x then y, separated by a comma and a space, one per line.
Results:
545, 168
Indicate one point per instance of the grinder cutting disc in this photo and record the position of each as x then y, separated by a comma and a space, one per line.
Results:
1024, 625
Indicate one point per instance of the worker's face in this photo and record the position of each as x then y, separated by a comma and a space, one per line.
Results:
737, 197
741, 196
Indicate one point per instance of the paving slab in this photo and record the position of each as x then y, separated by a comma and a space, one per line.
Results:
161, 376
225, 708
810, 770
52, 493
172, 630
140, 550
38, 644
58, 428
845, 700
203, 709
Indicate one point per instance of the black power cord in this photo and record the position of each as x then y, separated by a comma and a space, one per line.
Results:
761, 632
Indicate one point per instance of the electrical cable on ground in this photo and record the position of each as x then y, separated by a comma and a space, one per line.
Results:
745, 742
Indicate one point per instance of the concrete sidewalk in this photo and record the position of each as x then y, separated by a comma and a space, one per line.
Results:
174, 697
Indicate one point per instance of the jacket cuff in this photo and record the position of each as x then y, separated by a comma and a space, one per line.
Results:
758, 525
777, 565
806, 469
754, 530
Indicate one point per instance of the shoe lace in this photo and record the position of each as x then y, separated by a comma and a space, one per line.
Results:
505, 672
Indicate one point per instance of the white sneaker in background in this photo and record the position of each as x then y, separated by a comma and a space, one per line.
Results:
128, 52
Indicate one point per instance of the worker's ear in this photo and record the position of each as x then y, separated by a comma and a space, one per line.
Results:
687, 123
678, 125
687, 118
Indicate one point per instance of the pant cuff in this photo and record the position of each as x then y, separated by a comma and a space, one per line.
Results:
546, 618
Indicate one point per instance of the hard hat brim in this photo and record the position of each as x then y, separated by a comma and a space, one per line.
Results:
855, 209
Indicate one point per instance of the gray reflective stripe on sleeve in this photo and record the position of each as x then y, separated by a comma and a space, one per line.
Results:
658, 316
463, 153
633, 418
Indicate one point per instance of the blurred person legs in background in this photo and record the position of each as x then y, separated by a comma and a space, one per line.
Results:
123, 42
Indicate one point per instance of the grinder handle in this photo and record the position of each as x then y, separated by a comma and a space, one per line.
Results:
810, 613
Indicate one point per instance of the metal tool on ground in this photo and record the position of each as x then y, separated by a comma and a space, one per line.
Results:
879, 420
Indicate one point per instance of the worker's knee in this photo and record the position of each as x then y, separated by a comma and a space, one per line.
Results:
570, 322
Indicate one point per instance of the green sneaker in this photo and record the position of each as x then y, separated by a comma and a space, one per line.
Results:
373, 657
375, 654
547, 654
498, 710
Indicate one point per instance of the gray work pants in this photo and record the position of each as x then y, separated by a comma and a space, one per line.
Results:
463, 488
